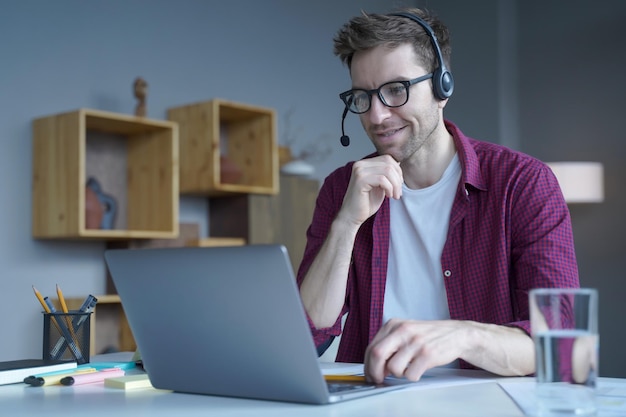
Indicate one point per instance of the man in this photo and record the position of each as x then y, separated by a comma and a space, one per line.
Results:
431, 244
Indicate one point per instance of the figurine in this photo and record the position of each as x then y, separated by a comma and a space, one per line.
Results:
140, 87
101, 208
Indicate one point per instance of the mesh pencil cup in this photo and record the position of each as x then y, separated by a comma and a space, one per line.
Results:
66, 336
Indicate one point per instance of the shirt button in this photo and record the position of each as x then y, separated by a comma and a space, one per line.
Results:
447, 273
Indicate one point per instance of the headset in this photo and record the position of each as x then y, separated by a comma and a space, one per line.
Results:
443, 83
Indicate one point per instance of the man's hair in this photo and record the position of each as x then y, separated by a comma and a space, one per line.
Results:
368, 31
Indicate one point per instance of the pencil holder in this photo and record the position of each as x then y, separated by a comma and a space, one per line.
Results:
66, 336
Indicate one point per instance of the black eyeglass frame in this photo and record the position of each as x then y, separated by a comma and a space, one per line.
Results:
348, 96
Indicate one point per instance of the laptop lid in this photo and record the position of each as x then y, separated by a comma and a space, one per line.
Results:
223, 321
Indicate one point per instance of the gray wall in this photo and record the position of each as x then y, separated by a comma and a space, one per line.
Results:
572, 108
530, 74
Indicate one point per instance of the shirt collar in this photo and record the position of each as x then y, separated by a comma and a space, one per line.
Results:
471, 174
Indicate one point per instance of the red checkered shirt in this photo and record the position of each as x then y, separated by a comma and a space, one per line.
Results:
509, 231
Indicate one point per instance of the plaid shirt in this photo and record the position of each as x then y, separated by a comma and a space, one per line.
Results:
509, 232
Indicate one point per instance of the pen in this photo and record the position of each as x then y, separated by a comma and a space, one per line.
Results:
42, 381
345, 378
29, 378
92, 377
50, 305
87, 307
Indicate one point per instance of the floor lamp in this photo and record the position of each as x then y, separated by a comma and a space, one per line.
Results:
581, 182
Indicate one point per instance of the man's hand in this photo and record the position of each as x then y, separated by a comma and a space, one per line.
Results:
372, 180
407, 348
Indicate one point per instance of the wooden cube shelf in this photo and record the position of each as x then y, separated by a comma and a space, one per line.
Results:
149, 174
226, 148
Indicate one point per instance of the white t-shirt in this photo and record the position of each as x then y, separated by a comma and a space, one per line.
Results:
419, 225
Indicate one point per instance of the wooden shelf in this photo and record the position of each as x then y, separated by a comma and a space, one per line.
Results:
226, 148
148, 174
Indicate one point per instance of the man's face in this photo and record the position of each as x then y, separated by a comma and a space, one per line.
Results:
399, 131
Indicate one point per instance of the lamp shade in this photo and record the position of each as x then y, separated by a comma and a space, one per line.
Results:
581, 182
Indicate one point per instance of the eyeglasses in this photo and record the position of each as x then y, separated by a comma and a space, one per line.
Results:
391, 94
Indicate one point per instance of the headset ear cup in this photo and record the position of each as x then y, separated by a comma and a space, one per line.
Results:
443, 83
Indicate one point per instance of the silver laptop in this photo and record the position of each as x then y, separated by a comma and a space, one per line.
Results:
224, 321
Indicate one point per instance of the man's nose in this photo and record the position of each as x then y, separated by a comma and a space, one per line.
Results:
378, 112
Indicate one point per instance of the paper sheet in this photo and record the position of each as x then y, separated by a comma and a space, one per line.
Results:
341, 368
611, 396
437, 377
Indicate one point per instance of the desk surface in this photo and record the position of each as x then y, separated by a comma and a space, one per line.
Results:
484, 398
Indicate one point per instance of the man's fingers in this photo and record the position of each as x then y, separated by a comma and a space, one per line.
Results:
381, 172
407, 349
380, 351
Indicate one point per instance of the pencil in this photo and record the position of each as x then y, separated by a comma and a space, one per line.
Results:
62, 300
65, 310
41, 300
345, 378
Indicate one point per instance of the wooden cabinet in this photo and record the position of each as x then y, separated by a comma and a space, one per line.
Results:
226, 148
147, 154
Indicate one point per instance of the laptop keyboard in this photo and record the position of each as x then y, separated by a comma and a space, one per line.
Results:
336, 387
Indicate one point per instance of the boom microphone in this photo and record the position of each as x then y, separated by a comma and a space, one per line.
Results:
345, 139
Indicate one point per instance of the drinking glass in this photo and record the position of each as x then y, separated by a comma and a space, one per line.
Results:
564, 327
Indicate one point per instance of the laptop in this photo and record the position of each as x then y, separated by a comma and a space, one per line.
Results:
225, 321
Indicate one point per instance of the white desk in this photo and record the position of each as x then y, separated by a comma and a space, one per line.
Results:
484, 398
